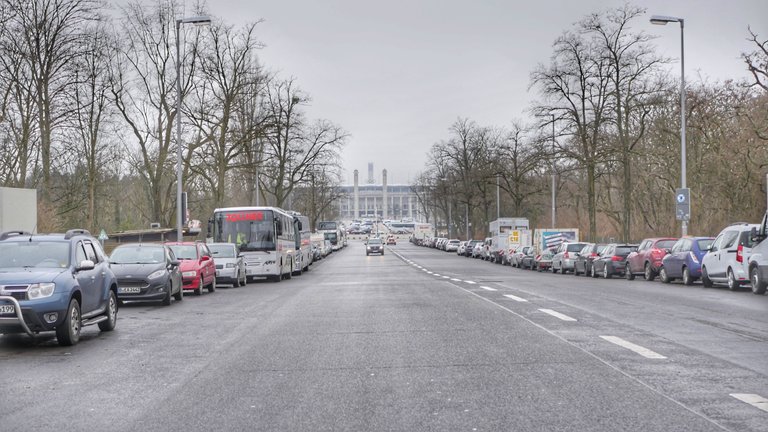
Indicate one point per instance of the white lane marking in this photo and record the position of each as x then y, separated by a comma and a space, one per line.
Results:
516, 298
456, 280
471, 282
425, 270
430, 273
557, 315
755, 400
437, 275
446, 277
645, 352
487, 288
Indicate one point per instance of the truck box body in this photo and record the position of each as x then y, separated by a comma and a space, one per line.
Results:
500, 231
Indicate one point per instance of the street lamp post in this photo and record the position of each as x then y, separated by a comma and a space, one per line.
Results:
198, 20
663, 20
498, 199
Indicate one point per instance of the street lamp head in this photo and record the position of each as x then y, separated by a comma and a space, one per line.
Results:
197, 20
663, 20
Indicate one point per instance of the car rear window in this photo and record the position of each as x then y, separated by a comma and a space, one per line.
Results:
745, 239
704, 244
623, 250
666, 244
575, 247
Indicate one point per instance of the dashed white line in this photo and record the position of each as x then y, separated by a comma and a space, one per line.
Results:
557, 315
645, 352
755, 400
437, 275
470, 282
446, 277
516, 298
430, 273
487, 288
456, 280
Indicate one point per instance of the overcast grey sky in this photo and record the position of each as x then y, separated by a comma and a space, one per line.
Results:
397, 74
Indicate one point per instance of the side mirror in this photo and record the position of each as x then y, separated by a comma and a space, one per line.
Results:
205, 258
668, 251
175, 263
86, 265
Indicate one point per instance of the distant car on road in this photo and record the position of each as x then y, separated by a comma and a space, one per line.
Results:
391, 240
611, 261
543, 260
727, 260
583, 262
147, 272
684, 260
230, 266
197, 266
55, 282
374, 246
565, 256
647, 259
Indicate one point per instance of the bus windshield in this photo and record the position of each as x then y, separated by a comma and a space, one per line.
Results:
249, 230
326, 226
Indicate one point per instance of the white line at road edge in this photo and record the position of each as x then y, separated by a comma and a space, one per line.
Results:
515, 298
645, 352
557, 315
488, 288
608, 364
755, 400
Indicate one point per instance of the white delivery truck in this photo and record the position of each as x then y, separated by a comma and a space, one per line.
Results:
421, 231
500, 230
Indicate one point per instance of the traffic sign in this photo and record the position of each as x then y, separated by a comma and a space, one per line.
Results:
683, 204
103, 235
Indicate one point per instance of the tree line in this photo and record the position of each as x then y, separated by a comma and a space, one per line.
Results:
606, 126
88, 116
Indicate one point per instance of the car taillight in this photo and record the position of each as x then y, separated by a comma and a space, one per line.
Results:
565, 255
740, 254
694, 258
617, 258
593, 254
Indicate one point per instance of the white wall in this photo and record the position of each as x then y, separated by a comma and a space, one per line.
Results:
18, 209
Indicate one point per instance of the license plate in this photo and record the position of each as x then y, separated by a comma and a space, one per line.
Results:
129, 290
7, 309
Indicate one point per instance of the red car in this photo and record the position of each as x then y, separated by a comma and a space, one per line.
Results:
197, 267
646, 260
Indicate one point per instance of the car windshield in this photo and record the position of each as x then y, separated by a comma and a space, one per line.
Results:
53, 254
222, 250
374, 241
136, 254
184, 252
575, 247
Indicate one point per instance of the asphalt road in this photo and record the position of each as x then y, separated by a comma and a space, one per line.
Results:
417, 340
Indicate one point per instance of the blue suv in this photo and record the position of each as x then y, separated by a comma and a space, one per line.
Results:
55, 282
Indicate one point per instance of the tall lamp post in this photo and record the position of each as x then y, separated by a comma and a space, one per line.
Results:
198, 20
663, 20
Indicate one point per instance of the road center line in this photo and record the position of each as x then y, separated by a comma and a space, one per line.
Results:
487, 288
437, 275
755, 400
456, 280
557, 315
470, 282
446, 277
516, 298
645, 352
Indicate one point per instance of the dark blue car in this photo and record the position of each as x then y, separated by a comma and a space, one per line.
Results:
684, 260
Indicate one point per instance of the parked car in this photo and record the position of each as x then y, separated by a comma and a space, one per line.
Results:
477, 250
374, 246
486, 251
565, 256
527, 261
148, 272
470, 246
611, 261
684, 260
461, 248
582, 264
452, 245
198, 269
727, 261
543, 260
391, 240
516, 257
646, 260
52, 282
758, 261
230, 266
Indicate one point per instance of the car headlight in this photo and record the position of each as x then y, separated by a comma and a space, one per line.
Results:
156, 275
189, 274
40, 290
230, 265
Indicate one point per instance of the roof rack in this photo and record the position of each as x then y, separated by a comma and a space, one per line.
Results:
9, 234
73, 232
739, 223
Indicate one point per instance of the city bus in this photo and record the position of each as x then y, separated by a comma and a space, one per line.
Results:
303, 244
265, 236
332, 232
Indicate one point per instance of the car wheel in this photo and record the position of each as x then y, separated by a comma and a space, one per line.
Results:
167, 298
687, 278
663, 275
68, 333
199, 290
628, 273
212, 286
111, 320
606, 273
758, 284
179, 296
705, 280
244, 282
733, 284
593, 272
648, 273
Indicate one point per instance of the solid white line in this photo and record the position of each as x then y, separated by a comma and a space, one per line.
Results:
645, 352
755, 400
470, 282
516, 298
557, 315
488, 288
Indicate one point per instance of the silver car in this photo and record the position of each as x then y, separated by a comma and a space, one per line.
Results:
230, 267
565, 257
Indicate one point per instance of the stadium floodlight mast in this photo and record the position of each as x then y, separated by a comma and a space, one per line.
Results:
197, 20
663, 20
